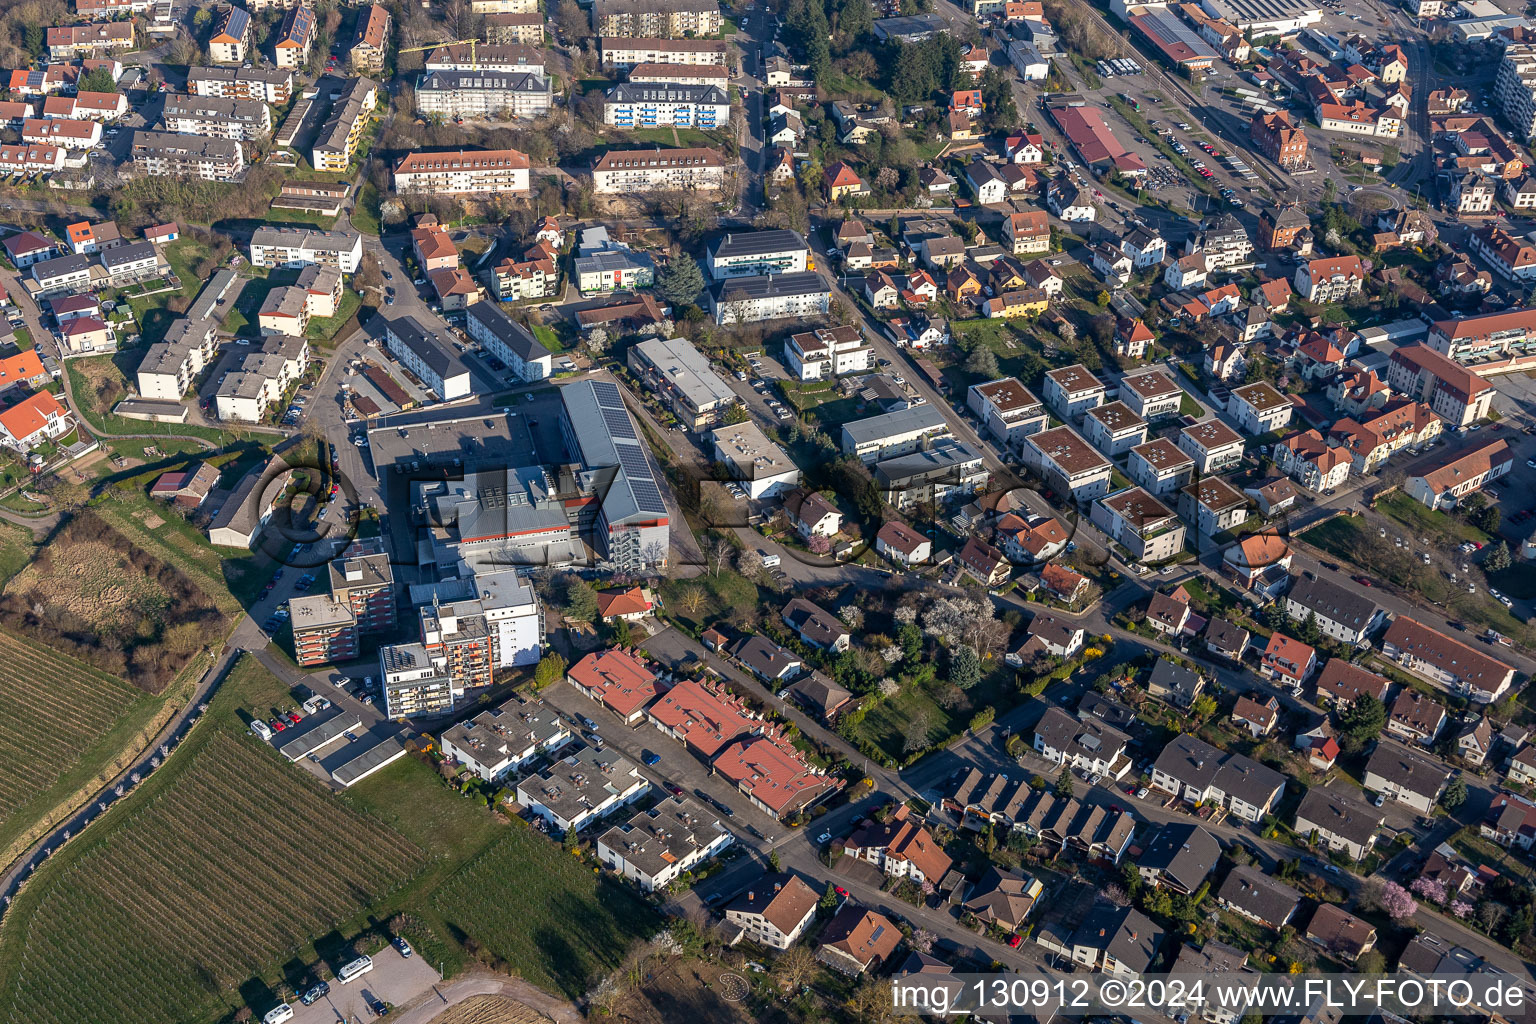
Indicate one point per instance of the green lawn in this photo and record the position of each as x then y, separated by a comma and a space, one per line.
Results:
565, 928
665, 137
1189, 407
81, 373
323, 329
365, 217
1428, 523
547, 337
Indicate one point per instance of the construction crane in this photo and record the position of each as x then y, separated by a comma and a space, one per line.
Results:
474, 64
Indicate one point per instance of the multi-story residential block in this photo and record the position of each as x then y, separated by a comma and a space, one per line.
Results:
760, 466
1069, 464
1330, 280
295, 37
1454, 393
1213, 445
578, 790
229, 43
285, 310
1007, 410
509, 341
217, 118
626, 172
337, 140
1260, 409
1148, 529
171, 365
946, 472
1514, 88
1377, 435
1152, 394
1342, 614
1447, 663
623, 54
463, 172
642, 105
430, 356
260, 378
1114, 429
526, 29
1213, 506
301, 247
681, 375
165, 154
1455, 475
496, 743
1072, 391
324, 630
656, 19
1160, 467
496, 58
484, 95
745, 300
365, 584
1311, 461
749, 253
1027, 232
1489, 334
655, 847
827, 352
681, 74
370, 44
1198, 773
893, 433
270, 85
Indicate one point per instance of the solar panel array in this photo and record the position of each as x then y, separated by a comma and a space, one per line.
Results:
618, 423
626, 445
607, 393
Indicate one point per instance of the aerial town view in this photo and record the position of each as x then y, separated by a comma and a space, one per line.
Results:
537, 511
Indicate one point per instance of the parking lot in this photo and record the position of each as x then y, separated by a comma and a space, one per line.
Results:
395, 980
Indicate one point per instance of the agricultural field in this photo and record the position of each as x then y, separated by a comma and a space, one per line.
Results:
64, 721
564, 928
222, 864
111, 603
489, 1010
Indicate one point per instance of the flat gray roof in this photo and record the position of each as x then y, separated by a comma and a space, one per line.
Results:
322, 733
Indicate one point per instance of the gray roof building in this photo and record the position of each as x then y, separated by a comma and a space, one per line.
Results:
1250, 892
1350, 609
518, 339
1181, 856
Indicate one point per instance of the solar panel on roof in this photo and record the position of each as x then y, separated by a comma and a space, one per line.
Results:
633, 461
607, 393
647, 496
618, 422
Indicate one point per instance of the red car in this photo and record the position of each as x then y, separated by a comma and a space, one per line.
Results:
295, 717
1364, 581
1014, 940
278, 725
840, 890
675, 790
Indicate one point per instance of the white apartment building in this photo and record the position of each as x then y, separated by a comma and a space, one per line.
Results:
1144, 526
827, 352
1068, 463
509, 341
752, 253
430, 357
1007, 410
1213, 445
463, 172
655, 847
1260, 409
667, 105
1072, 391
217, 118
171, 365
1160, 467
746, 300
299, 247
630, 171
